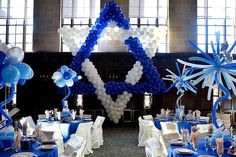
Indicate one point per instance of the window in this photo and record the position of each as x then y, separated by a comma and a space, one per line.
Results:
144, 13
16, 23
147, 100
214, 16
79, 13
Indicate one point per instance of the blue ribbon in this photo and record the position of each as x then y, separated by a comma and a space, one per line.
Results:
227, 94
9, 120
68, 94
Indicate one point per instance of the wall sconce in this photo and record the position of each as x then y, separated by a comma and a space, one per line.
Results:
147, 100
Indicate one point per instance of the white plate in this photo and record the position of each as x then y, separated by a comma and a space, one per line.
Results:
46, 147
183, 151
23, 154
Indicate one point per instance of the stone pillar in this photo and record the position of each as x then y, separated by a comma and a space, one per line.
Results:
182, 25
46, 24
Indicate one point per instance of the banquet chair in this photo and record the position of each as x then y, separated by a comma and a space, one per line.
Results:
148, 117
147, 130
169, 127
203, 128
75, 147
87, 116
97, 132
152, 148
206, 119
226, 118
165, 141
30, 124
84, 131
48, 128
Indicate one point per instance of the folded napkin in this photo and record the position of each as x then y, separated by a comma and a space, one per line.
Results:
167, 113
194, 129
40, 135
81, 113
195, 138
73, 114
47, 113
210, 128
220, 145
163, 112
17, 140
198, 113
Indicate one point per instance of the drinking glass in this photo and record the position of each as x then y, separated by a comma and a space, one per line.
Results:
220, 151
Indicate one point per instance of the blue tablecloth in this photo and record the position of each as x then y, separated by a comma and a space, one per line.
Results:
38, 153
200, 151
181, 124
67, 128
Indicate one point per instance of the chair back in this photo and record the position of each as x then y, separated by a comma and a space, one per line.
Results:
148, 117
153, 145
98, 122
203, 128
165, 141
226, 118
169, 127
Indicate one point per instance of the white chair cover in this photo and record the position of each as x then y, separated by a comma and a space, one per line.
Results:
84, 131
97, 132
169, 127
152, 148
55, 127
75, 147
148, 117
207, 119
147, 130
30, 124
203, 128
165, 141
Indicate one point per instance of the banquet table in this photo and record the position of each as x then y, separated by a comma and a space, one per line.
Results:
66, 128
38, 153
187, 124
200, 151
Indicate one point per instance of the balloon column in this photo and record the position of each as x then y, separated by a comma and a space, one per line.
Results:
216, 71
65, 77
12, 71
180, 83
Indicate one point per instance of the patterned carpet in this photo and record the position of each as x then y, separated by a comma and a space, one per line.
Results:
119, 142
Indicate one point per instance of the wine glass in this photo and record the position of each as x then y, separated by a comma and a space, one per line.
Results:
213, 145
220, 151
195, 144
206, 143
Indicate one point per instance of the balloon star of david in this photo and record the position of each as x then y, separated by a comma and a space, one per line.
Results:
216, 71
143, 66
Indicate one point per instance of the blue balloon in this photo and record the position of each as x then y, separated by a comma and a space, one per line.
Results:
10, 74
3, 58
61, 83
25, 71
22, 81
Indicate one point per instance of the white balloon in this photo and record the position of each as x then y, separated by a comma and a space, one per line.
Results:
69, 83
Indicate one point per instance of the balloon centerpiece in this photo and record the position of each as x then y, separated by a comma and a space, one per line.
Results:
12, 71
181, 84
65, 77
111, 13
216, 71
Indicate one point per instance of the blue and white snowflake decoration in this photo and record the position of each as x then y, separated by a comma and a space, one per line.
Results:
215, 71
180, 83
